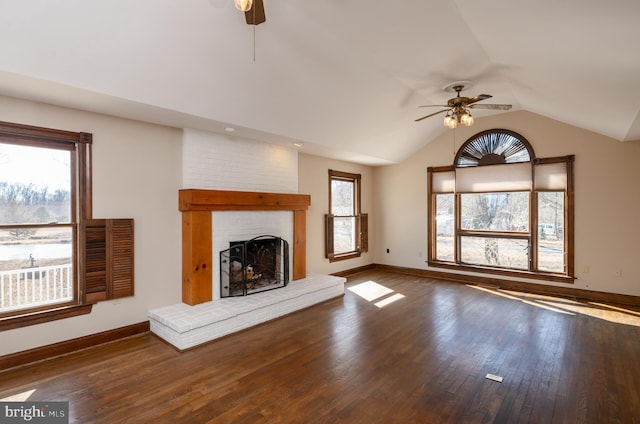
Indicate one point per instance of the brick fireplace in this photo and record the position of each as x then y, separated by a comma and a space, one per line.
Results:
197, 235
202, 317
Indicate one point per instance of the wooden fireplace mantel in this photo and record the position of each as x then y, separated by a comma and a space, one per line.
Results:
197, 249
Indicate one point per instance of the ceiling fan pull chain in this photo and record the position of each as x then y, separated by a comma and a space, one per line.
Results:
454, 145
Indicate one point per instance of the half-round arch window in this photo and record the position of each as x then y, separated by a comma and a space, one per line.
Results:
493, 147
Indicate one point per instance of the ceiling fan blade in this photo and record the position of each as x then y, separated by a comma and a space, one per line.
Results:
433, 106
479, 97
428, 116
490, 106
255, 15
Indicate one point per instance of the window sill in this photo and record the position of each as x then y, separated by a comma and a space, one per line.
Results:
39, 317
557, 278
344, 256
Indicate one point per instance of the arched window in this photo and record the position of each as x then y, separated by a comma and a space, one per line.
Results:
493, 147
499, 209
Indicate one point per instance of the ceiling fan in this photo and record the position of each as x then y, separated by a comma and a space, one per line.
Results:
457, 108
253, 11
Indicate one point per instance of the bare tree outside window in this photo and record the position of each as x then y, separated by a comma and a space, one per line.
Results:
551, 231
36, 238
445, 223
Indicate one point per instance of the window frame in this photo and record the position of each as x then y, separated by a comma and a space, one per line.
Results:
79, 145
532, 271
360, 235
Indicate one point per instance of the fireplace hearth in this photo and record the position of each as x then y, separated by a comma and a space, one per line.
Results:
254, 266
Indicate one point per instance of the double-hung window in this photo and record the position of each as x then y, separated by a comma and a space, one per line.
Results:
39, 215
55, 259
499, 209
346, 225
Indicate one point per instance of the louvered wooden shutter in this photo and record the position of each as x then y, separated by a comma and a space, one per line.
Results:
120, 260
93, 264
328, 236
364, 232
107, 259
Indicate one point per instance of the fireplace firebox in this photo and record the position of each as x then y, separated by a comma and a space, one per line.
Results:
254, 266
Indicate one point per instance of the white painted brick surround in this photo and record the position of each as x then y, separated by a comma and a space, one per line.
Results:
218, 162
228, 226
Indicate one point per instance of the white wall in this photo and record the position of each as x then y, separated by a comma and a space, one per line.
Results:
607, 199
137, 171
313, 179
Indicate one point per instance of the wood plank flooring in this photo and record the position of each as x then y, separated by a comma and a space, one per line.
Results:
422, 358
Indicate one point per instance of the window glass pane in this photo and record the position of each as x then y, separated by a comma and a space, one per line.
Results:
342, 198
35, 185
444, 227
551, 231
35, 267
498, 252
495, 211
344, 235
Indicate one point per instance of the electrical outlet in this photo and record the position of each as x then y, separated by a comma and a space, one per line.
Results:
618, 272
585, 269
419, 254
387, 250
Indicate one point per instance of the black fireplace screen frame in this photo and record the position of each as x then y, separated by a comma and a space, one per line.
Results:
254, 266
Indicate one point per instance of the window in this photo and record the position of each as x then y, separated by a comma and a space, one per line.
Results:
55, 260
38, 226
498, 209
346, 226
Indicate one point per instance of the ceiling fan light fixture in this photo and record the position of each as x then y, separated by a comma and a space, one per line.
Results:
458, 108
450, 121
466, 119
243, 5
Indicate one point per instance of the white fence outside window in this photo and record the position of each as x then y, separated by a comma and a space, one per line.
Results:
37, 286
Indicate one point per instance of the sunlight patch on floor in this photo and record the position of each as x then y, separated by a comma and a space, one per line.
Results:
388, 300
19, 397
545, 305
616, 308
561, 305
609, 313
370, 291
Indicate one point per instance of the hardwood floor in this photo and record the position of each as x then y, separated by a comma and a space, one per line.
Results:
422, 358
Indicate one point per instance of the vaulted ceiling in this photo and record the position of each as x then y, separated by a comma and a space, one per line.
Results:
344, 77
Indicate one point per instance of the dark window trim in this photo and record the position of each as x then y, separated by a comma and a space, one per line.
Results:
361, 219
78, 143
559, 278
21, 132
39, 317
566, 277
